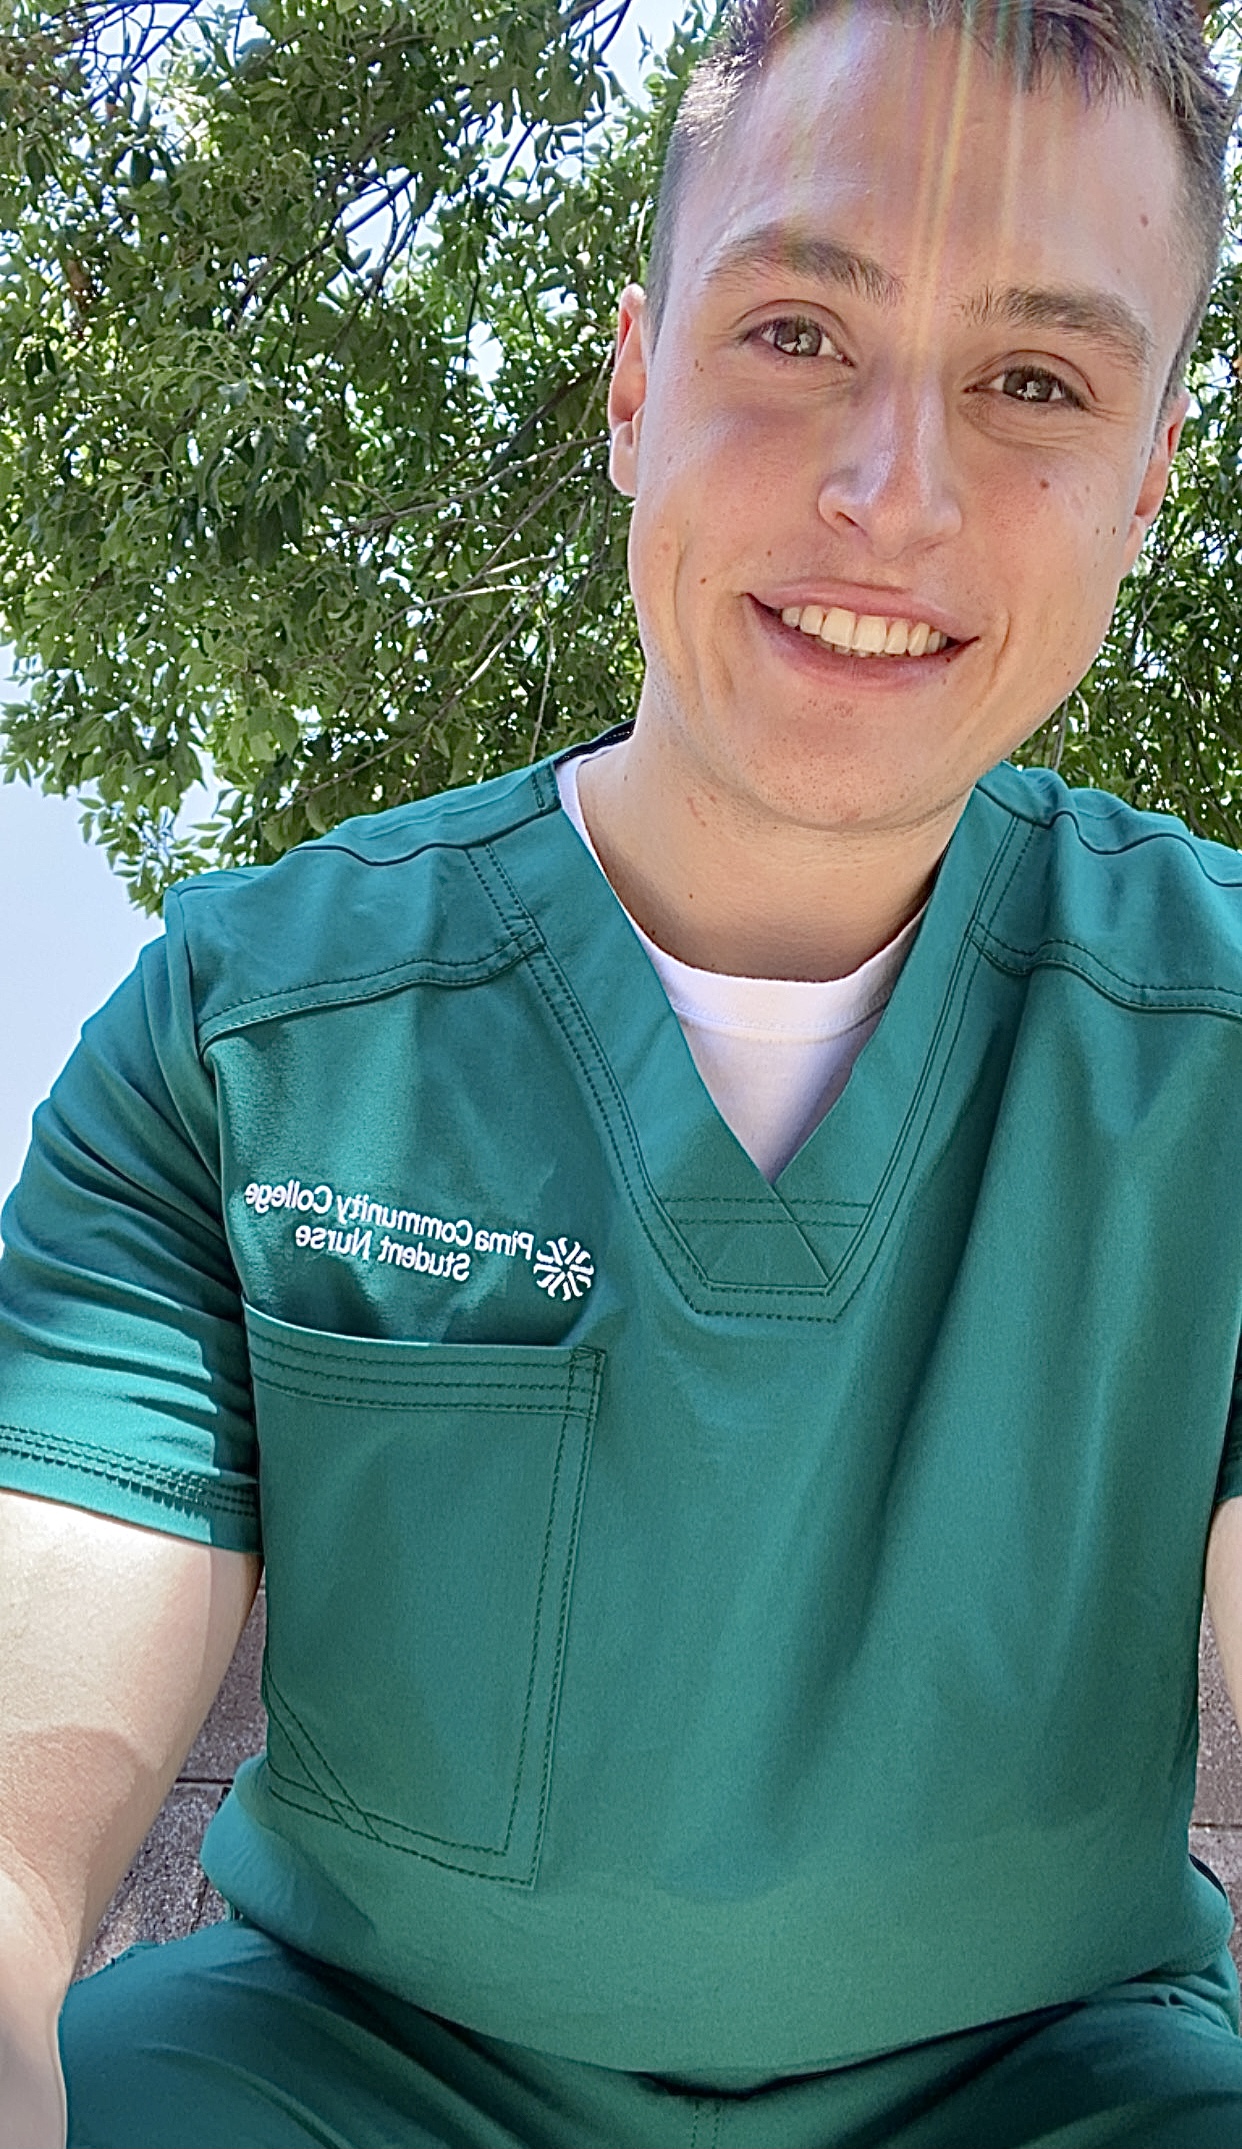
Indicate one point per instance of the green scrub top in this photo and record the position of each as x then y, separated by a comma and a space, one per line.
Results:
711, 1626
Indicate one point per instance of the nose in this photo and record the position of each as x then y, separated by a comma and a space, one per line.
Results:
890, 479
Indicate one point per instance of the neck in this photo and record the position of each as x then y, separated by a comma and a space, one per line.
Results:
723, 885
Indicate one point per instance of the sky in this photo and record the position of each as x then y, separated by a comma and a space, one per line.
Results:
68, 933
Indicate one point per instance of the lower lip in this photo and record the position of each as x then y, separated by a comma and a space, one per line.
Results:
824, 662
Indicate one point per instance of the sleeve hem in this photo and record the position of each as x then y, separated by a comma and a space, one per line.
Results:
179, 1502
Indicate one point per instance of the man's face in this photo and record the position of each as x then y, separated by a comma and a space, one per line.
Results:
910, 369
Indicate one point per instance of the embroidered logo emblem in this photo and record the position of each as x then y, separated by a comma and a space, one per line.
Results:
326, 1220
564, 1271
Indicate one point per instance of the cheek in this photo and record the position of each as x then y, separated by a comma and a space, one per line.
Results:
694, 509
1093, 567
1059, 545
1063, 569
665, 567
717, 457
655, 549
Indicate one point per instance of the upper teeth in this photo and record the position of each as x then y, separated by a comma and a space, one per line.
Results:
865, 634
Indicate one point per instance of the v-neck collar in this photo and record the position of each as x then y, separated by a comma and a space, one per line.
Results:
732, 1242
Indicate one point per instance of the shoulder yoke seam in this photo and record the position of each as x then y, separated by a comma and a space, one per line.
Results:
1141, 995
352, 986
329, 844
1193, 845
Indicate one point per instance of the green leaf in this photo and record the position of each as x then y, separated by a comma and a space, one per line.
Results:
349, 534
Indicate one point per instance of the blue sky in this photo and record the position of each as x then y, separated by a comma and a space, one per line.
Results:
68, 933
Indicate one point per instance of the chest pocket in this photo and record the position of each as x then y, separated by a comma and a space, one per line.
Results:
420, 1510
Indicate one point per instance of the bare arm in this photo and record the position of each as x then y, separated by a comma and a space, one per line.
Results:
1224, 1594
113, 1644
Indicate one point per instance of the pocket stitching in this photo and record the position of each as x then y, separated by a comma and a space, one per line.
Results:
345, 1800
285, 1797
586, 1411
584, 1374
590, 1410
365, 1815
541, 1399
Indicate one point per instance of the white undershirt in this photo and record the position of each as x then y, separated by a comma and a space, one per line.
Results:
773, 1053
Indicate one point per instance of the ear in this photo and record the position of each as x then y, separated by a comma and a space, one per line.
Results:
628, 389
1156, 476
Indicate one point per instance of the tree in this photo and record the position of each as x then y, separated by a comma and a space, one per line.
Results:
306, 315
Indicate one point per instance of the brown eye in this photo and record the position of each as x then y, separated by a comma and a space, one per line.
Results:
1030, 384
795, 336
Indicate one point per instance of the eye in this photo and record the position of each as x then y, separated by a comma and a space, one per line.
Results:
796, 335
1033, 384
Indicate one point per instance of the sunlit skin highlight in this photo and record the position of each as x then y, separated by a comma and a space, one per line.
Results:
796, 436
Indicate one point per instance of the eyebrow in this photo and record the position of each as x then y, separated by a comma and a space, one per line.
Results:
1099, 316
805, 253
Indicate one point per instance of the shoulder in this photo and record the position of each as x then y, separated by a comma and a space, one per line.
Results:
1152, 907
382, 900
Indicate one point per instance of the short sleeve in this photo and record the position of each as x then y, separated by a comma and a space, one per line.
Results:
124, 1377
1229, 1479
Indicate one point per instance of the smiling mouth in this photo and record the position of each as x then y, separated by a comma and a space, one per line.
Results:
864, 634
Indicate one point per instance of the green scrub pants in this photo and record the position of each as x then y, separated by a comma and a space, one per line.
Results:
228, 2040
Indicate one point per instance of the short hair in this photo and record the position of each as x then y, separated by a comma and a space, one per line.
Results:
1153, 49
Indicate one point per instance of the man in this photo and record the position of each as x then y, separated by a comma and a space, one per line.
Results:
734, 1525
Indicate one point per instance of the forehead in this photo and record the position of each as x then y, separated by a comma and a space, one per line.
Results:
914, 148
